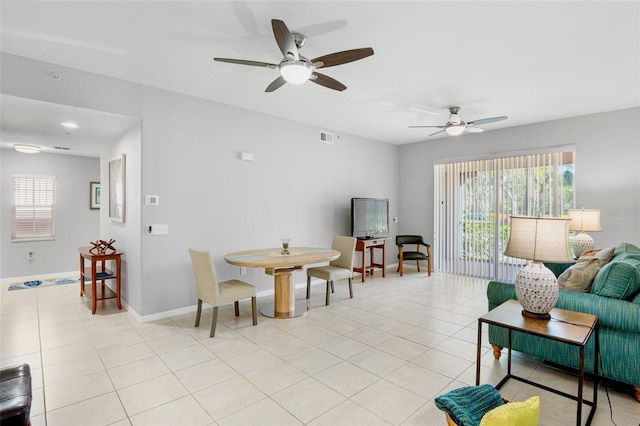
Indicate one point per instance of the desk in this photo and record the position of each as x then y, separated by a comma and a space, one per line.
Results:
572, 328
282, 267
363, 246
103, 292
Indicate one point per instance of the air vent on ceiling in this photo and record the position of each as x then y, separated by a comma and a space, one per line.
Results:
326, 137
64, 148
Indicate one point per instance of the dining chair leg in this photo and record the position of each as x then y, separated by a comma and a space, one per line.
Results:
214, 321
350, 289
401, 267
254, 311
308, 287
198, 313
418, 265
328, 296
429, 260
333, 289
236, 306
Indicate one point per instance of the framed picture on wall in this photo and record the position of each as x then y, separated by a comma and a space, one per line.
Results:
94, 195
117, 187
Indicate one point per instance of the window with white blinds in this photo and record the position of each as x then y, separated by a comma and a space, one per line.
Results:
475, 200
33, 203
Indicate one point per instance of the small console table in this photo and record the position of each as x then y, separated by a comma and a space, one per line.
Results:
102, 274
572, 328
370, 244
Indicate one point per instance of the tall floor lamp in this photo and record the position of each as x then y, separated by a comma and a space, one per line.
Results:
539, 239
584, 220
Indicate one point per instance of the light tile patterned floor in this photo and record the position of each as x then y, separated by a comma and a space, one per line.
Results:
377, 359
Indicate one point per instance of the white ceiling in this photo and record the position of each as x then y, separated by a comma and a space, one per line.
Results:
532, 61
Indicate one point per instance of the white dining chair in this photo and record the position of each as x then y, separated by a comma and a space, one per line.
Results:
338, 269
218, 293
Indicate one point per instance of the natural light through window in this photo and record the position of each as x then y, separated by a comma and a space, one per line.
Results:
475, 200
33, 203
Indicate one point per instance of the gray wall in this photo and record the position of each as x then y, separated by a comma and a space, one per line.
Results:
75, 223
607, 167
189, 156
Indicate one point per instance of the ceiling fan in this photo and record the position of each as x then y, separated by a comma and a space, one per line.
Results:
455, 126
295, 68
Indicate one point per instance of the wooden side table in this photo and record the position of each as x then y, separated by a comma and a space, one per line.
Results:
572, 328
102, 274
363, 246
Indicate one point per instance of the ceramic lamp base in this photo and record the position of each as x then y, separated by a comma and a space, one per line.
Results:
581, 243
537, 289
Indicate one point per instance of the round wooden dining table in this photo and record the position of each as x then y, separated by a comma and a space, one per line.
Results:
281, 267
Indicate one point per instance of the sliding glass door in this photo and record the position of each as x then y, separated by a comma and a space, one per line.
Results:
475, 199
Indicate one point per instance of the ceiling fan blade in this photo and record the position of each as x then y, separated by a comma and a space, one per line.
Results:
327, 81
473, 129
343, 57
439, 131
245, 62
284, 39
276, 84
437, 127
486, 120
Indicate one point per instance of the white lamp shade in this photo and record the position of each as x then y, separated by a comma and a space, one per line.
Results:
585, 220
455, 130
296, 72
543, 239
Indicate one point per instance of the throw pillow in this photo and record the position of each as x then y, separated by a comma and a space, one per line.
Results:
580, 276
525, 413
468, 404
618, 279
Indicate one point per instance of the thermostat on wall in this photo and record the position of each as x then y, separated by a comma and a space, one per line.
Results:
151, 200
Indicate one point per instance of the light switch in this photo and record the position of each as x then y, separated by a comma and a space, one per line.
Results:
162, 229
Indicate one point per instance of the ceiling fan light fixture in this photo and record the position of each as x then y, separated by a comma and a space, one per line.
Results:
455, 129
296, 72
27, 149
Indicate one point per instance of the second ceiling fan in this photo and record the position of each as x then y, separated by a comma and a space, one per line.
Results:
455, 126
295, 68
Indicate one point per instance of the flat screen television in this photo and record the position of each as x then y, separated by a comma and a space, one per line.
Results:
369, 217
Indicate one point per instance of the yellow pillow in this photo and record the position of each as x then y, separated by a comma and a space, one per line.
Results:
524, 413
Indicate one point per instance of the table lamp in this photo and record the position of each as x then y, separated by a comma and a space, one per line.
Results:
584, 220
539, 239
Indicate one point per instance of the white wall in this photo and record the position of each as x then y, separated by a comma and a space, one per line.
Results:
607, 168
296, 186
127, 233
75, 223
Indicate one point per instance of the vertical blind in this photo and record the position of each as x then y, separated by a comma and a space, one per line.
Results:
33, 202
475, 199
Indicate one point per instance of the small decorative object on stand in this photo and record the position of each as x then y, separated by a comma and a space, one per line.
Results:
539, 239
285, 246
101, 247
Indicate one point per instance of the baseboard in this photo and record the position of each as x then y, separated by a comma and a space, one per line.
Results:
188, 309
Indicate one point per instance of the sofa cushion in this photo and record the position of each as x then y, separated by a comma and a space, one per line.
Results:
580, 276
526, 413
626, 249
619, 279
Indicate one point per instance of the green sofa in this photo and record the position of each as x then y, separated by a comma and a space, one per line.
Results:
614, 297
